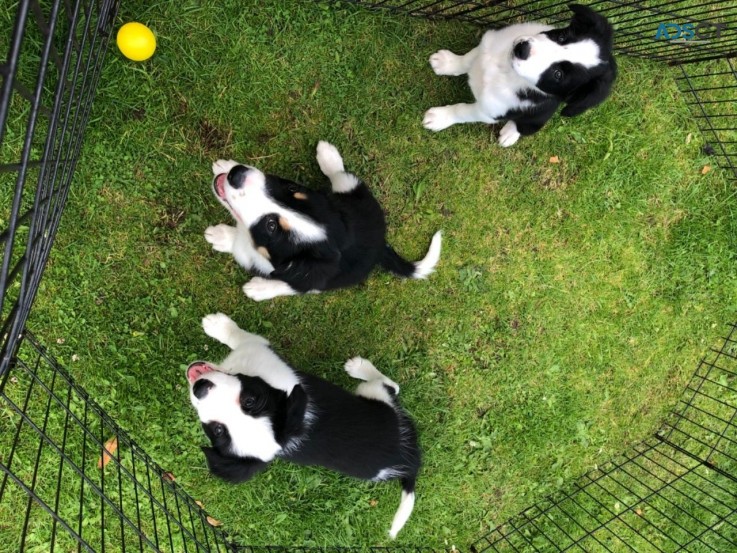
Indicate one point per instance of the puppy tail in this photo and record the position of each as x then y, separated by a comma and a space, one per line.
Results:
406, 505
392, 261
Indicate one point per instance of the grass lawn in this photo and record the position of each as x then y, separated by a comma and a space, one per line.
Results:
571, 304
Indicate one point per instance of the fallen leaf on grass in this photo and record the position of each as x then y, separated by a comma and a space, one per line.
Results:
169, 477
213, 521
373, 502
554, 159
638, 511
199, 504
706, 169
109, 449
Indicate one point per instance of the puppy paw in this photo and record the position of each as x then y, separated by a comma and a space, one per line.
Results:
437, 119
260, 289
329, 159
444, 62
218, 326
221, 237
508, 135
356, 367
221, 166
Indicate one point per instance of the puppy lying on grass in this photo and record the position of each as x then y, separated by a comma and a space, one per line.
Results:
255, 408
297, 240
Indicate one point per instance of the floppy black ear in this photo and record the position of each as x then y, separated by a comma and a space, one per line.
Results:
588, 22
592, 93
296, 409
232, 469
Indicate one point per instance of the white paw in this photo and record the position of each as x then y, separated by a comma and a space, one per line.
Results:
508, 135
444, 62
260, 289
218, 326
329, 159
437, 119
355, 367
221, 166
221, 237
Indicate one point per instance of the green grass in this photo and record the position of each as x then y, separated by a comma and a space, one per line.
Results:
570, 306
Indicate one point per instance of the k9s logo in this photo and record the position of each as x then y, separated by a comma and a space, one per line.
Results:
692, 32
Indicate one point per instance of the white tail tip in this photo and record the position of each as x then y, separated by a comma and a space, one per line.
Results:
406, 504
426, 266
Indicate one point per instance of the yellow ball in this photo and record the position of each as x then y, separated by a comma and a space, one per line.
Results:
136, 41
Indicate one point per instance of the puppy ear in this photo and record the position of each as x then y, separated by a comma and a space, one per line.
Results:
232, 469
587, 22
296, 410
591, 93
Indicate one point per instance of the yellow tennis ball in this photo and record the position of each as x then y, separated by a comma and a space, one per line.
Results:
136, 41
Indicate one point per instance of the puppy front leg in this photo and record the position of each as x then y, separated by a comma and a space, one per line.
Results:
439, 118
260, 289
226, 331
445, 62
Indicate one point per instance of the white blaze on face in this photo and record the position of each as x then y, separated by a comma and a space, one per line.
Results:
251, 201
250, 437
545, 52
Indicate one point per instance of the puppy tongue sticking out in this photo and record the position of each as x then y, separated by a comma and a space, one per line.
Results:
220, 184
196, 370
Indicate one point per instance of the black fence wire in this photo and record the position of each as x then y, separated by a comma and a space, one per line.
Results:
72, 480
676, 491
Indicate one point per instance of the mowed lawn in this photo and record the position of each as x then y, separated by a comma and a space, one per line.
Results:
573, 298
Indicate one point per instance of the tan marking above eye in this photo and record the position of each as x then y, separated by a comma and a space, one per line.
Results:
263, 251
283, 223
300, 196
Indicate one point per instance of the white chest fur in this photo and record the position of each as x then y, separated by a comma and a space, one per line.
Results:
246, 255
492, 80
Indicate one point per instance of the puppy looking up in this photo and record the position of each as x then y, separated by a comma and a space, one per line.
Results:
523, 72
255, 408
298, 240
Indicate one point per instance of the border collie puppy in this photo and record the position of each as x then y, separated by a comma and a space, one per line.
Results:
255, 408
522, 73
297, 240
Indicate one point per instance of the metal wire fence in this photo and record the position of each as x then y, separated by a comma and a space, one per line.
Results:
49, 77
676, 491
72, 480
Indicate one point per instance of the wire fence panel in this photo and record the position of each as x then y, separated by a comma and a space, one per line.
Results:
72, 480
48, 80
677, 491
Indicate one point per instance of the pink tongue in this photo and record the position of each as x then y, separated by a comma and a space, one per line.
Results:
196, 370
220, 184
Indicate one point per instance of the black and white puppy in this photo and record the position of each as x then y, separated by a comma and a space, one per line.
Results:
298, 240
523, 72
255, 408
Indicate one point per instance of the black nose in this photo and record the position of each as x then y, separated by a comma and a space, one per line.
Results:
237, 176
522, 50
201, 387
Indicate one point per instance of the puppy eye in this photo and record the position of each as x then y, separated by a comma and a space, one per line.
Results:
292, 188
558, 74
218, 430
561, 38
271, 226
248, 403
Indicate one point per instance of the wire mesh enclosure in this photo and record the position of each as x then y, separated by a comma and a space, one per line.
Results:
71, 479
49, 75
676, 491
698, 37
